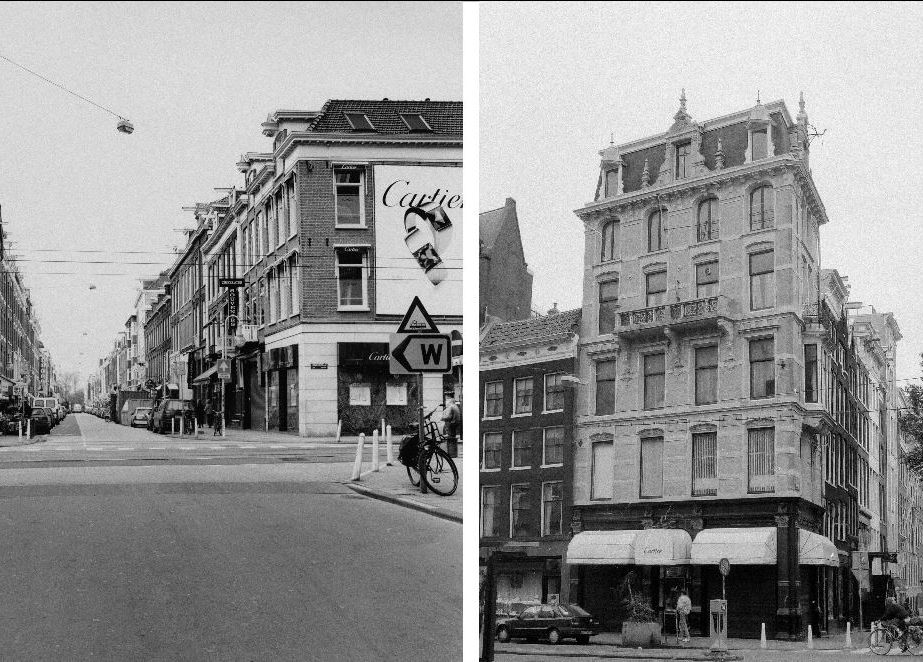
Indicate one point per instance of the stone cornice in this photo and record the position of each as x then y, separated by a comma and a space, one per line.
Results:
307, 138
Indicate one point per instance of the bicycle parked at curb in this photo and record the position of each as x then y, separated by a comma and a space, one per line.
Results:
883, 637
440, 472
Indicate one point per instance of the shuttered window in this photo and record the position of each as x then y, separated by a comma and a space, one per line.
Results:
761, 463
705, 464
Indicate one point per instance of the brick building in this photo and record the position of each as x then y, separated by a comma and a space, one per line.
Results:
504, 278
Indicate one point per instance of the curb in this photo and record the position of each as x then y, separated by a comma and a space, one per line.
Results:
406, 503
35, 440
629, 654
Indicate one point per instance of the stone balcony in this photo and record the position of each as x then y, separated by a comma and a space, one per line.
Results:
673, 318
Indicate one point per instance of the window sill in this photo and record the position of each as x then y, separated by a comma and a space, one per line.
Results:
551, 466
492, 418
522, 415
352, 309
351, 227
519, 468
706, 242
552, 411
491, 471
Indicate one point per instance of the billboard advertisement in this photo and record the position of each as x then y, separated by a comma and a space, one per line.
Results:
418, 238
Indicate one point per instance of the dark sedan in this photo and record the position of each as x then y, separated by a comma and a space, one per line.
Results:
41, 420
551, 623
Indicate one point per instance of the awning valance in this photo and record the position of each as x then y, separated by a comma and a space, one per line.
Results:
662, 547
602, 548
205, 376
757, 546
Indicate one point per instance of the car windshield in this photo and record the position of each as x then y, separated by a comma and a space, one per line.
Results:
576, 610
142, 410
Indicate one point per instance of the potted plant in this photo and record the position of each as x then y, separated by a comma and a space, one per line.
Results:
640, 627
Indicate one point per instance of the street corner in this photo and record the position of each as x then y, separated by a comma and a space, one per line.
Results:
447, 511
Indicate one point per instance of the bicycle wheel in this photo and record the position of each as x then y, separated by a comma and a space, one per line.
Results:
880, 641
441, 473
915, 641
414, 476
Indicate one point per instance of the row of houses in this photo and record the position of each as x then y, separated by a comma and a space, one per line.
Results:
298, 274
717, 395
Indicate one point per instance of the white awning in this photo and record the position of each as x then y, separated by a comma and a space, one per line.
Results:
602, 548
757, 546
662, 547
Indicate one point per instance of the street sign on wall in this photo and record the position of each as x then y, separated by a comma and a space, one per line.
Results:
230, 282
420, 352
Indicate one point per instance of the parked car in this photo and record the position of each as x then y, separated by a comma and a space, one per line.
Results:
140, 417
78, 408
51, 413
182, 411
11, 419
41, 420
551, 623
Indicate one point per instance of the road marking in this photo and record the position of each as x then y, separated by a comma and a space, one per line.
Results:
124, 448
277, 446
186, 448
95, 448
217, 448
157, 448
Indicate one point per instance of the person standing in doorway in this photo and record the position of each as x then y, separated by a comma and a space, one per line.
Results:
452, 419
683, 609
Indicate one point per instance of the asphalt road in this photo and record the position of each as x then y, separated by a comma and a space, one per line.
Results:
206, 560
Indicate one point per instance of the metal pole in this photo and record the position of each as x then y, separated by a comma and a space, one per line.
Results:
224, 352
420, 454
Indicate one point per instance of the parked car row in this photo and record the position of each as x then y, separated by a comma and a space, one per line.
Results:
42, 419
550, 623
164, 417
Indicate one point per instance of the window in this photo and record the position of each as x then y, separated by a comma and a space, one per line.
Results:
653, 380
522, 396
762, 282
291, 207
683, 151
489, 494
520, 508
285, 290
273, 290
416, 122
605, 387
522, 449
273, 225
762, 368
261, 303
608, 305
553, 446
810, 373
707, 227
607, 250
705, 464
655, 231
759, 144
554, 392
706, 375
761, 208
281, 201
493, 399
349, 212
294, 272
552, 502
612, 183
652, 467
493, 442
359, 122
656, 288
706, 280
761, 462
601, 482
352, 278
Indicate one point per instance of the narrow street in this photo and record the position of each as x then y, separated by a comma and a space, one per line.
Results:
122, 544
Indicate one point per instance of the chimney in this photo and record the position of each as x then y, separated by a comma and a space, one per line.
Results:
554, 309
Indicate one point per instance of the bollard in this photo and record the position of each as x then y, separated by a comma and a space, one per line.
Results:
20, 428
29, 428
848, 635
382, 429
339, 429
375, 464
389, 450
195, 427
172, 426
762, 635
357, 465
810, 638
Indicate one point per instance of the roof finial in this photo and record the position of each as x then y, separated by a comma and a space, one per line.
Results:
757, 97
719, 155
612, 138
646, 175
682, 100
801, 101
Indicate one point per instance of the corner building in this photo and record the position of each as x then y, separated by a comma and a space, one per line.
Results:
693, 438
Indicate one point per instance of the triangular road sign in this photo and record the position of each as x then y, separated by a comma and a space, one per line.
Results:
417, 320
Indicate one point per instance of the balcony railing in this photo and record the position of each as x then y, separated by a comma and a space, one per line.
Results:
674, 315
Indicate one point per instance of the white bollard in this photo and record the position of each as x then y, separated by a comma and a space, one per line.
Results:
848, 635
339, 429
20, 428
172, 426
389, 449
382, 433
762, 635
29, 428
357, 465
810, 637
195, 427
375, 465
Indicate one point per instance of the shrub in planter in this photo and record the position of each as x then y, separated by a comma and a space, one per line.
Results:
640, 627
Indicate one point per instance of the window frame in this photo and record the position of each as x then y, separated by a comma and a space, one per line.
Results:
650, 234
487, 416
545, 398
648, 292
545, 462
363, 266
495, 529
516, 410
525, 510
770, 278
608, 380
709, 461
608, 231
683, 154
767, 213
663, 379
658, 439
751, 487
609, 305
771, 393
530, 438
559, 501
696, 371
360, 187
594, 468
711, 204
498, 450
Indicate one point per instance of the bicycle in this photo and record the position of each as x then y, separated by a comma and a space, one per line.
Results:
883, 637
441, 474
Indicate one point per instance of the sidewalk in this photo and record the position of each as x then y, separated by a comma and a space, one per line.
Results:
393, 485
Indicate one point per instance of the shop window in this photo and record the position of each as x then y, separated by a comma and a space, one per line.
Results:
493, 399
607, 250
602, 471
654, 373
655, 231
552, 508
707, 227
706, 375
605, 387
762, 368
554, 393
360, 394
705, 464
761, 462
396, 394
608, 305
522, 449
522, 396
489, 512
493, 443
762, 280
349, 202
553, 446
762, 210
656, 288
352, 278
521, 510
706, 279
651, 467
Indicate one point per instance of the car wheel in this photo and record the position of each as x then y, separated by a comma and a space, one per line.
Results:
583, 638
503, 635
554, 637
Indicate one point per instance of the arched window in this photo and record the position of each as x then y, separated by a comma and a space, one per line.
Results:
708, 220
655, 231
607, 252
761, 208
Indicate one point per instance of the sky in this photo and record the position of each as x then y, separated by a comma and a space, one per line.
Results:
578, 73
196, 80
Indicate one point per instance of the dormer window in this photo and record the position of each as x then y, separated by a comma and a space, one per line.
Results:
612, 183
683, 150
760, 144
416, 123
359, 122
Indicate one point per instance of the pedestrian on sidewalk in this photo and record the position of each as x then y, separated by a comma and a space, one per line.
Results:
452, 419
683, 609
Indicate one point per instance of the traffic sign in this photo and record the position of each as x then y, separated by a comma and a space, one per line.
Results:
224, 369
420, 352
230, 282
724, 566
417, 320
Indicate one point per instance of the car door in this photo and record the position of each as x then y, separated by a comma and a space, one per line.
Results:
546, 620
527, 623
